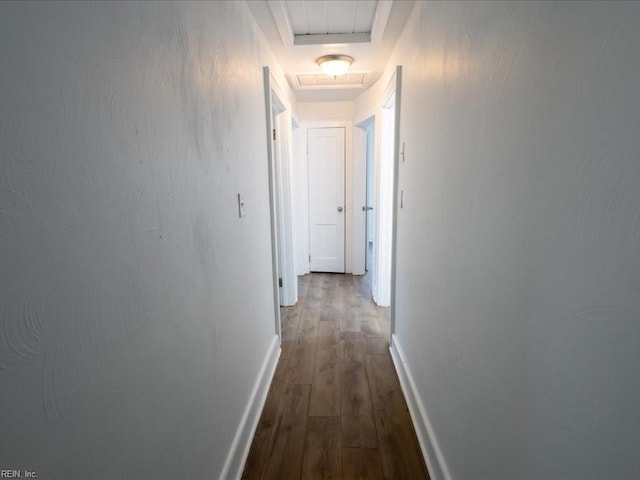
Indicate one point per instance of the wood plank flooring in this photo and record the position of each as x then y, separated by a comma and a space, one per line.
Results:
335, 409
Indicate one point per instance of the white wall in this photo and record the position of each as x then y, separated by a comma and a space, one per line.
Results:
315, 111
301, 203
137, 308
518, 252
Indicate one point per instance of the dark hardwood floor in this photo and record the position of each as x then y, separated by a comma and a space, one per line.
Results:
335, 409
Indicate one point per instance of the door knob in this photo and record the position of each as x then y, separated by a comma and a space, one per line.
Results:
364, 209
339, 209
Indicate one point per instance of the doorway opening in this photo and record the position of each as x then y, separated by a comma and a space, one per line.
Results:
370, 192
279, 133
381, 281
280, 139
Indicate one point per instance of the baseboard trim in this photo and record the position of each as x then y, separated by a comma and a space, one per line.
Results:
426, 437
237, 457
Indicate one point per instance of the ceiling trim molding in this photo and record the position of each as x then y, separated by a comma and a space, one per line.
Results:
331, 87
331, 38
283, 22
383, 10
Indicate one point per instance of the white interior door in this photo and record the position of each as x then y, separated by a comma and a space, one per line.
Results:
326, 153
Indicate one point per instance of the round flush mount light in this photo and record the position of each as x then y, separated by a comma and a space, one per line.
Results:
335, 65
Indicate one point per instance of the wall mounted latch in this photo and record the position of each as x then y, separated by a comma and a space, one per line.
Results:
240, 205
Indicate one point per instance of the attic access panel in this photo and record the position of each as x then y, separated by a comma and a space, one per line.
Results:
311, 80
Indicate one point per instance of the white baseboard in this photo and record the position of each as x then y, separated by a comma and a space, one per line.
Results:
234, 465
426, 437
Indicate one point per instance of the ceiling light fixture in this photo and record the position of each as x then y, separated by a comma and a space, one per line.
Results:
335, 65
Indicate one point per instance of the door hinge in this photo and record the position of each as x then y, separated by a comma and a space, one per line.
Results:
274, 133
309, 258
280, 282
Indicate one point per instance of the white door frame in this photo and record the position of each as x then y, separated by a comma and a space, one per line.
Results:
385, 204
300, 201
279, 159
397, 81
284, 195
361, 150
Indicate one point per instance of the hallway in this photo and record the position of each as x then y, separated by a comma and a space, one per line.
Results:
143, 201
335, 408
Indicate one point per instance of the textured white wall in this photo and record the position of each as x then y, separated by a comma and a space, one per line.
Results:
518, 277
136, 307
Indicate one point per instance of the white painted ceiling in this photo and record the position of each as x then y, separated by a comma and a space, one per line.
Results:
318, 17
300, 31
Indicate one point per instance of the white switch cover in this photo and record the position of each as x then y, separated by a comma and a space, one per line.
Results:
240, 205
